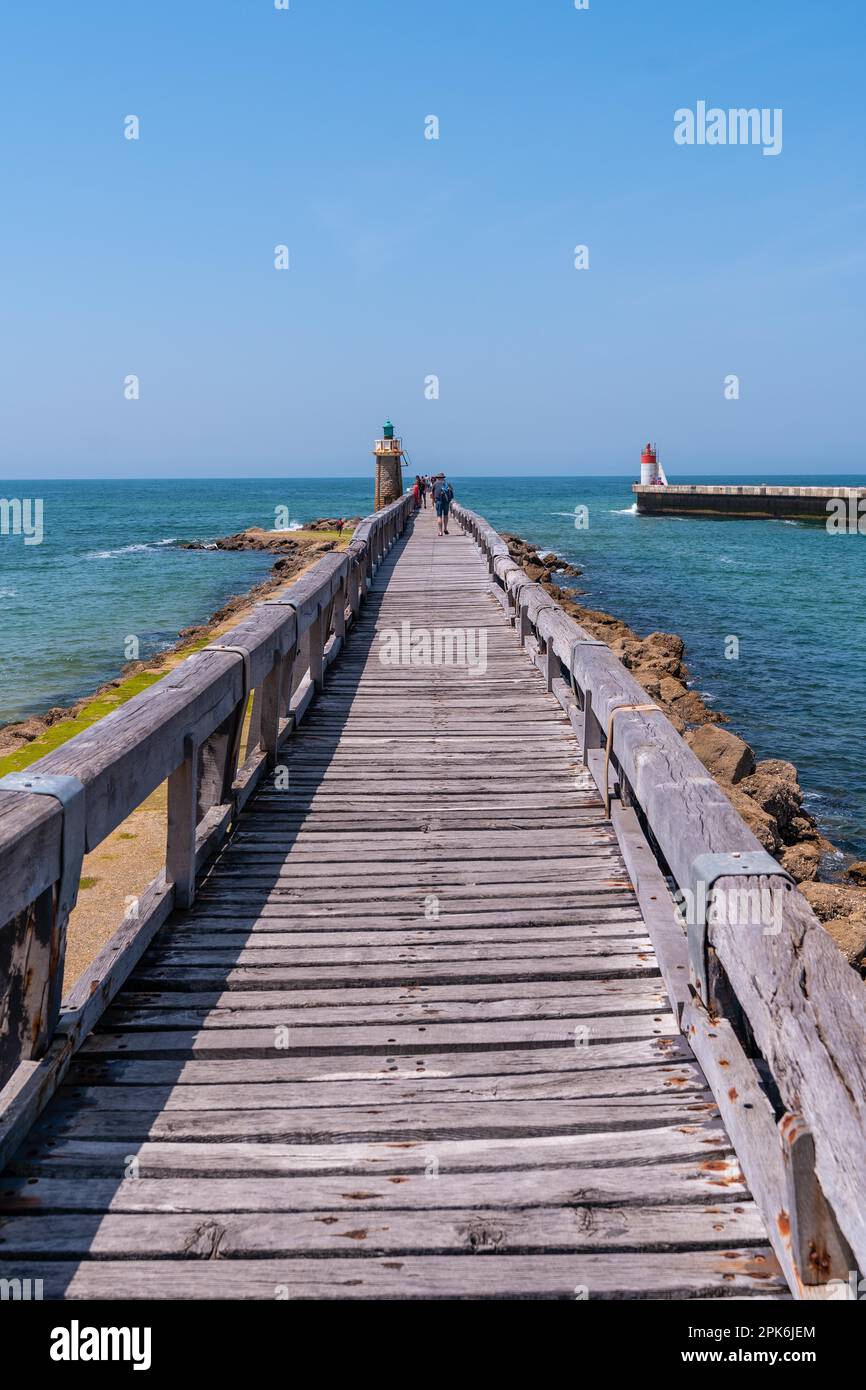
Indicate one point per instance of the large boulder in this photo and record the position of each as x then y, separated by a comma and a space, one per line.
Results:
802, 861
537, 573
722, 753
691, 708
857, 873
762, 825
774, 786
842, 911
661, 654
666, 644
670, 689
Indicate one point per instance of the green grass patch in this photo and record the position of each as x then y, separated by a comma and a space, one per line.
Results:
58, 734
345, 536
87, 882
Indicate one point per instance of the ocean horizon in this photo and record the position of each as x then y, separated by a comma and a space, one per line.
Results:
110, 567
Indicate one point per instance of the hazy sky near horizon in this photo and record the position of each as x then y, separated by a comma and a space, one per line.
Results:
412, 257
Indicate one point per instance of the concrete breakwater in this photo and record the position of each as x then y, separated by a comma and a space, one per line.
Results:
846, 506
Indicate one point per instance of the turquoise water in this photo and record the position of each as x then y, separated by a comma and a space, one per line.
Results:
108, 569
793, 595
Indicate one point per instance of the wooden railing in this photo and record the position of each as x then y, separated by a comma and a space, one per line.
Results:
187, 730
772, 1010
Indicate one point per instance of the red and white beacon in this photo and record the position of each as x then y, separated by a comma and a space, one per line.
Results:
651, 471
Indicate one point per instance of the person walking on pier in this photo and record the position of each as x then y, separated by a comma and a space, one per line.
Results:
416, 492
442, 496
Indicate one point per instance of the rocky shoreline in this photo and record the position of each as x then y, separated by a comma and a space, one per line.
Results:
296, 552
766, 792
278, 542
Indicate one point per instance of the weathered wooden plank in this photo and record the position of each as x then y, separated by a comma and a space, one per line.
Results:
426, 1122
126, 1016
215, 950
717, 1182
670, 1050
699, 1140
631, 992
693, 1274
269, 915
282, 932
412, 1038
394, 1090
235, 1236
195, 971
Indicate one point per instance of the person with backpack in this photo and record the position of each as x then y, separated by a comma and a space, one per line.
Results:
443, 494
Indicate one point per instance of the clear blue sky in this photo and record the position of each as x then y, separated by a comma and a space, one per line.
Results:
412, 257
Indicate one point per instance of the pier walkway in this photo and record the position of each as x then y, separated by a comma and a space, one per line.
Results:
408, 1015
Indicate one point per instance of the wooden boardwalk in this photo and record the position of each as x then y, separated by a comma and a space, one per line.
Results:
412, 1039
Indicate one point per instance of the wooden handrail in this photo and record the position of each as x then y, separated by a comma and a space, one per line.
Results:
786, 993
185, 730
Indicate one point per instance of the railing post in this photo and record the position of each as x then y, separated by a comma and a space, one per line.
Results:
549, 659
220, 753
356, 577
33, 944
25, 969
270, 696
523, 621
317, 646
818, 1248
339, 619
591, 739
182, 822
287, 680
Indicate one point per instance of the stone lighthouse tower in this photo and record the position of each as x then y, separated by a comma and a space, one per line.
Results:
388, 452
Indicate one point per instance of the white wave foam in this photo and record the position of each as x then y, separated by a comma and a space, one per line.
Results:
135, 549
8, 593
624, 511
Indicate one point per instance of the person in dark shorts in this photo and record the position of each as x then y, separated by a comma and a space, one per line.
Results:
442, 495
